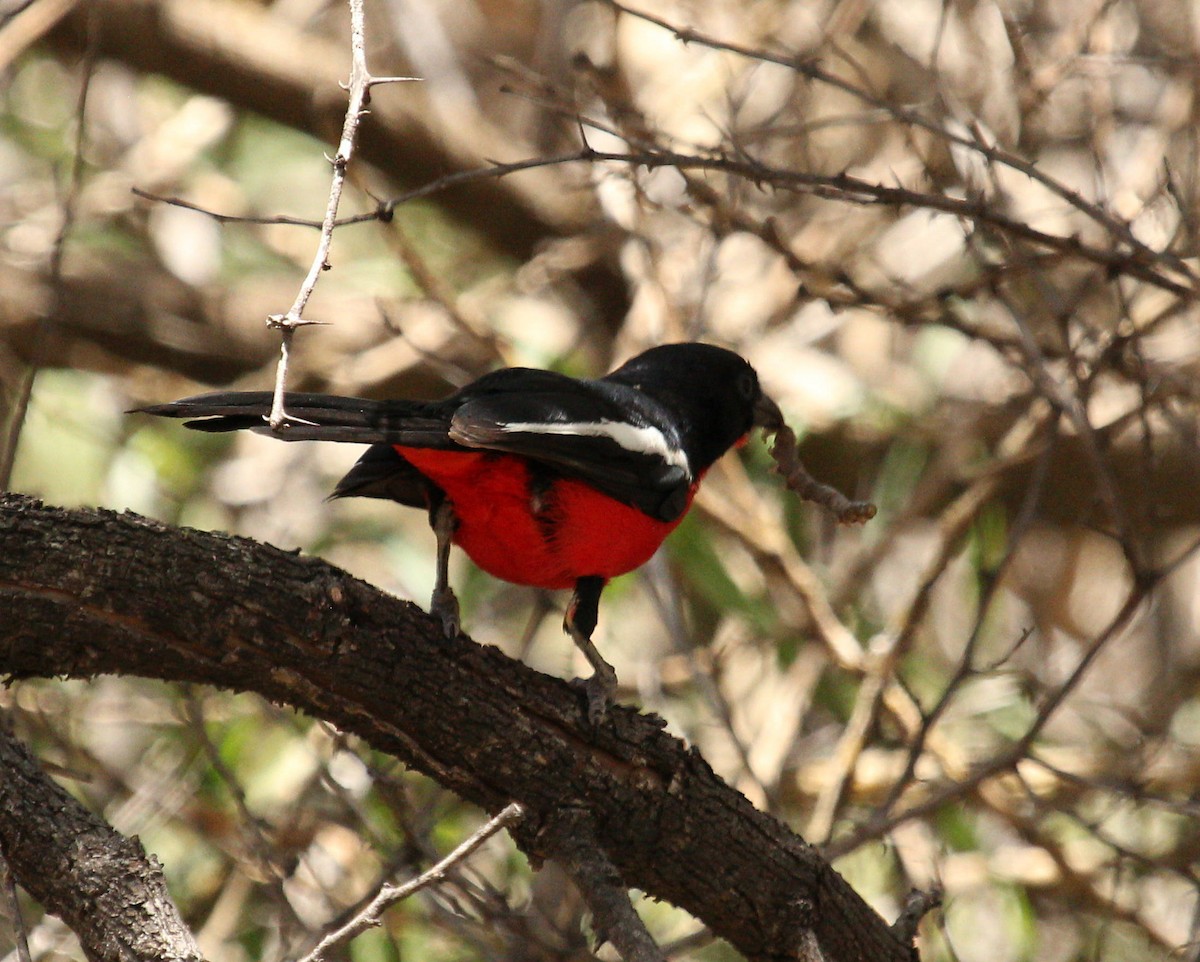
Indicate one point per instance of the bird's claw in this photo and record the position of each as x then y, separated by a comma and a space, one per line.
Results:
598, 692
445, 606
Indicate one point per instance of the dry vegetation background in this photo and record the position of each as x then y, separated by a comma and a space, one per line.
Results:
957, 239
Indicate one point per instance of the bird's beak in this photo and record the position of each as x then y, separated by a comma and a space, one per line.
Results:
767, 414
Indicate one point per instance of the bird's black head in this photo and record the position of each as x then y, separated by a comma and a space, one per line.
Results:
713, 393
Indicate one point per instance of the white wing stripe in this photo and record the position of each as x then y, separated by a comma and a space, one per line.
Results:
642, 440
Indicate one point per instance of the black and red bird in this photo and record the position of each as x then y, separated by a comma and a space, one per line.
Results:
542, 479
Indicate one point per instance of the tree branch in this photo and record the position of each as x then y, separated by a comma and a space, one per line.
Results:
84, 591
102, 884
613, 916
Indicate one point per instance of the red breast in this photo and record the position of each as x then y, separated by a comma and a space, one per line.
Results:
547, 537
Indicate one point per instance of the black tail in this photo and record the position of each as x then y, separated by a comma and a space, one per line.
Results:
315, 417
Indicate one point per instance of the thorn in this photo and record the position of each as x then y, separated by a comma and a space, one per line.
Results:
286, 421
373, 81
282, 322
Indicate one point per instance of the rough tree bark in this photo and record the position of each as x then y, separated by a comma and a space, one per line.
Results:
96, 880
84, 592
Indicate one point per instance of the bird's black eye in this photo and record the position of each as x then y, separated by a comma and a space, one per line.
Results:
747, 385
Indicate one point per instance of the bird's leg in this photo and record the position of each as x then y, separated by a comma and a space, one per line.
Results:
444, 604
582, 613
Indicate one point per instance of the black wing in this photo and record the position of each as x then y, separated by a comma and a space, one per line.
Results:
610, 436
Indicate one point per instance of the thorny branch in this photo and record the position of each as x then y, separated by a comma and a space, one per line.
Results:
360, 85
838, 187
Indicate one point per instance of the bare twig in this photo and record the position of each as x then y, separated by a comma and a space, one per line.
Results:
222, 218
953, 526
967, 667
258, 845
359, 87
840, 187
389, 895
1020, 749
385, 209
991, 152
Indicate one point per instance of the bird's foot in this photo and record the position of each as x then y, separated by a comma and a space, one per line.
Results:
445, 606
598, 692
